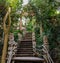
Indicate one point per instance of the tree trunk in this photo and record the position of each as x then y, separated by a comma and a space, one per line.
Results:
45, 42
41, 29
45, 38
21, 23
6, 32
4, 52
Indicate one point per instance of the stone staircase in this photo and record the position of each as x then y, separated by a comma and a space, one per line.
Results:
25, 48
25, 52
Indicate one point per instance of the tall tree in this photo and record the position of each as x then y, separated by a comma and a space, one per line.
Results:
6, 28
12, 6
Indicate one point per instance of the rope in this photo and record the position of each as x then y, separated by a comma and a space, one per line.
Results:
47, 56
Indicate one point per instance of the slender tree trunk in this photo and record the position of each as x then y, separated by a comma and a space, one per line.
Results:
21, 23
6, 32
41, 29
45, 38
4, 48
45, 42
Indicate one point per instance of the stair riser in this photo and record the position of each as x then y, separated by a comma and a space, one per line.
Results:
29, 61
26, 43
23, 55
24, 46
25, 49
23, 62
24, 52
27, 37
26, 40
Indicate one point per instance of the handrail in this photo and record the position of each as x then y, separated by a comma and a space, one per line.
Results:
11, 48
48, 55
43, 49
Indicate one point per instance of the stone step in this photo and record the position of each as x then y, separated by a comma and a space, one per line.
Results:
28, 34
26, 40
26, 52
27, 43
23, 55
25, 46
28, 59
28, 37
23, 62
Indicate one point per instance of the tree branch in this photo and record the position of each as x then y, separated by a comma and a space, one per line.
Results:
5, 18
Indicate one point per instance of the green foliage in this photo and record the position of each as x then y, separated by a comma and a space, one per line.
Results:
29, 26
15, 4
39, 40
2, 1
16, 34
46, 12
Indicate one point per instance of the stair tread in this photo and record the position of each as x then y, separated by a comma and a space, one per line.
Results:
28, 58
25, 52
24, 46
27, 43
25, 49
26, 40
22, 55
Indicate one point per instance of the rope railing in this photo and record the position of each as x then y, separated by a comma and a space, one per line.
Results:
44, 52
11, 48
48, 55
